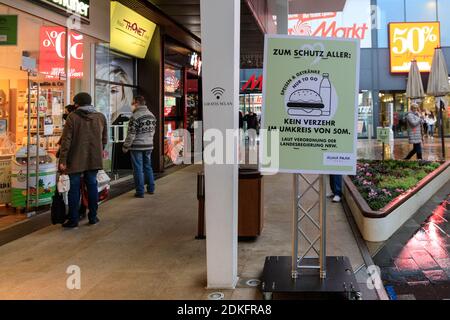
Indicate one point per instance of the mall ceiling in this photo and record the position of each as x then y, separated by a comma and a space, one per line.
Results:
186, 13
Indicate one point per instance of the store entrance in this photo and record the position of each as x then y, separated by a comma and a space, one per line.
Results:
31, 124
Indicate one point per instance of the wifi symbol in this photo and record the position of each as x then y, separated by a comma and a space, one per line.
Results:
218, 92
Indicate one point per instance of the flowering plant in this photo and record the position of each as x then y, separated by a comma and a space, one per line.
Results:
380, 182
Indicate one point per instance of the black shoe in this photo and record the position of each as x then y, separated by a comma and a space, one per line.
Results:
139, 195
151, 192
97, 220
70, 225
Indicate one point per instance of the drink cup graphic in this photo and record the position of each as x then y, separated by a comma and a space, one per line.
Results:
325, 94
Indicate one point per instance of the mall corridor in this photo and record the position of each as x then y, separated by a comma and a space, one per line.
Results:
146, 248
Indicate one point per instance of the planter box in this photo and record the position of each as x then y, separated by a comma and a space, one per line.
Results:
378, 226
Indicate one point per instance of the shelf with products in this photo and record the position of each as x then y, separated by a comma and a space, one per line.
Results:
47, 109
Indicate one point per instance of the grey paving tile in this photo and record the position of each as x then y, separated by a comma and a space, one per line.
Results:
444, 263
406, 297
436, 276
437, 252
398, 251
404, 265
411, 223
383, 259
392, 276
424, 260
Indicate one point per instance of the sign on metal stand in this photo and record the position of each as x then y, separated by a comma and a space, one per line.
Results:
310, 102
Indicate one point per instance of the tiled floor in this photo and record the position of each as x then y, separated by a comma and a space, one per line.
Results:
415, 262
146, 248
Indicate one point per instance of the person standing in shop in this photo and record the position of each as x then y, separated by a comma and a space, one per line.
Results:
84, 138
414, 121
141, 130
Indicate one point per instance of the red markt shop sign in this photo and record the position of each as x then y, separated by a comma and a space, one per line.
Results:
52, 53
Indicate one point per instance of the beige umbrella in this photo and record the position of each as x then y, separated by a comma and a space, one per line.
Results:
414, 89
439, 87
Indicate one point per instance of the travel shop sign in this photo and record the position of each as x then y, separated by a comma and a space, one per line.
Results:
79, 8
310, 107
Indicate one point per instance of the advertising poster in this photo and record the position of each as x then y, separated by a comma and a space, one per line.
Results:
311, 99
52, 53
413, 41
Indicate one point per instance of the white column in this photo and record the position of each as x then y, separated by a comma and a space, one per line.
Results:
220, 23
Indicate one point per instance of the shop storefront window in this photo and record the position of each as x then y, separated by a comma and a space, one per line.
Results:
174, 114
31, 109
394, 109
365, 114
115, 86
429, 107
33, 96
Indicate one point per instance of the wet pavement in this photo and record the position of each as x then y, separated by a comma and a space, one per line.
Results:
415, 262
432, 149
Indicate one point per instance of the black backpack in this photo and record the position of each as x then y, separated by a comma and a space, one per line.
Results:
58, 212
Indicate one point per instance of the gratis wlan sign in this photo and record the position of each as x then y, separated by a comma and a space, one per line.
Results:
311, 100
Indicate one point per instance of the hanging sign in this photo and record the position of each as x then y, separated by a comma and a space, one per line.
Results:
413, 41
310, 93
8, 30
80, 8
52, 53
131, 33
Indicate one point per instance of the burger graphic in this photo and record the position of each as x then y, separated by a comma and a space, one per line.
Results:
306, 101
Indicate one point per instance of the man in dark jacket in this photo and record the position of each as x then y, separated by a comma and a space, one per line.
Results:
84, 137
141, 130
252, 127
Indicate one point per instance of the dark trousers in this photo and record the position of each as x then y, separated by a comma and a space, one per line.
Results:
417, 149
90, 180
336, 184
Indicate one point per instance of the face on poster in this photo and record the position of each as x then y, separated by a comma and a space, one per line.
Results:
311, 101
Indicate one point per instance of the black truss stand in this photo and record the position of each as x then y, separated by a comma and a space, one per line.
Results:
307, 277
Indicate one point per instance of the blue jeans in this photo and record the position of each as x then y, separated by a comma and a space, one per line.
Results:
90, 180
336, 184
143, 172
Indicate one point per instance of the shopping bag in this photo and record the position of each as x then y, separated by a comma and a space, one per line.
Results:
58, 211
63, 183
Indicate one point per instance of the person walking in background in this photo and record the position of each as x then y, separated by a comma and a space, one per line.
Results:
336, 187
84, 138
252, 126
431, 121
414, 121
424, 118
139, 142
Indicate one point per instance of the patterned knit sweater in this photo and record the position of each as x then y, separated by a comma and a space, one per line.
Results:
141, 130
